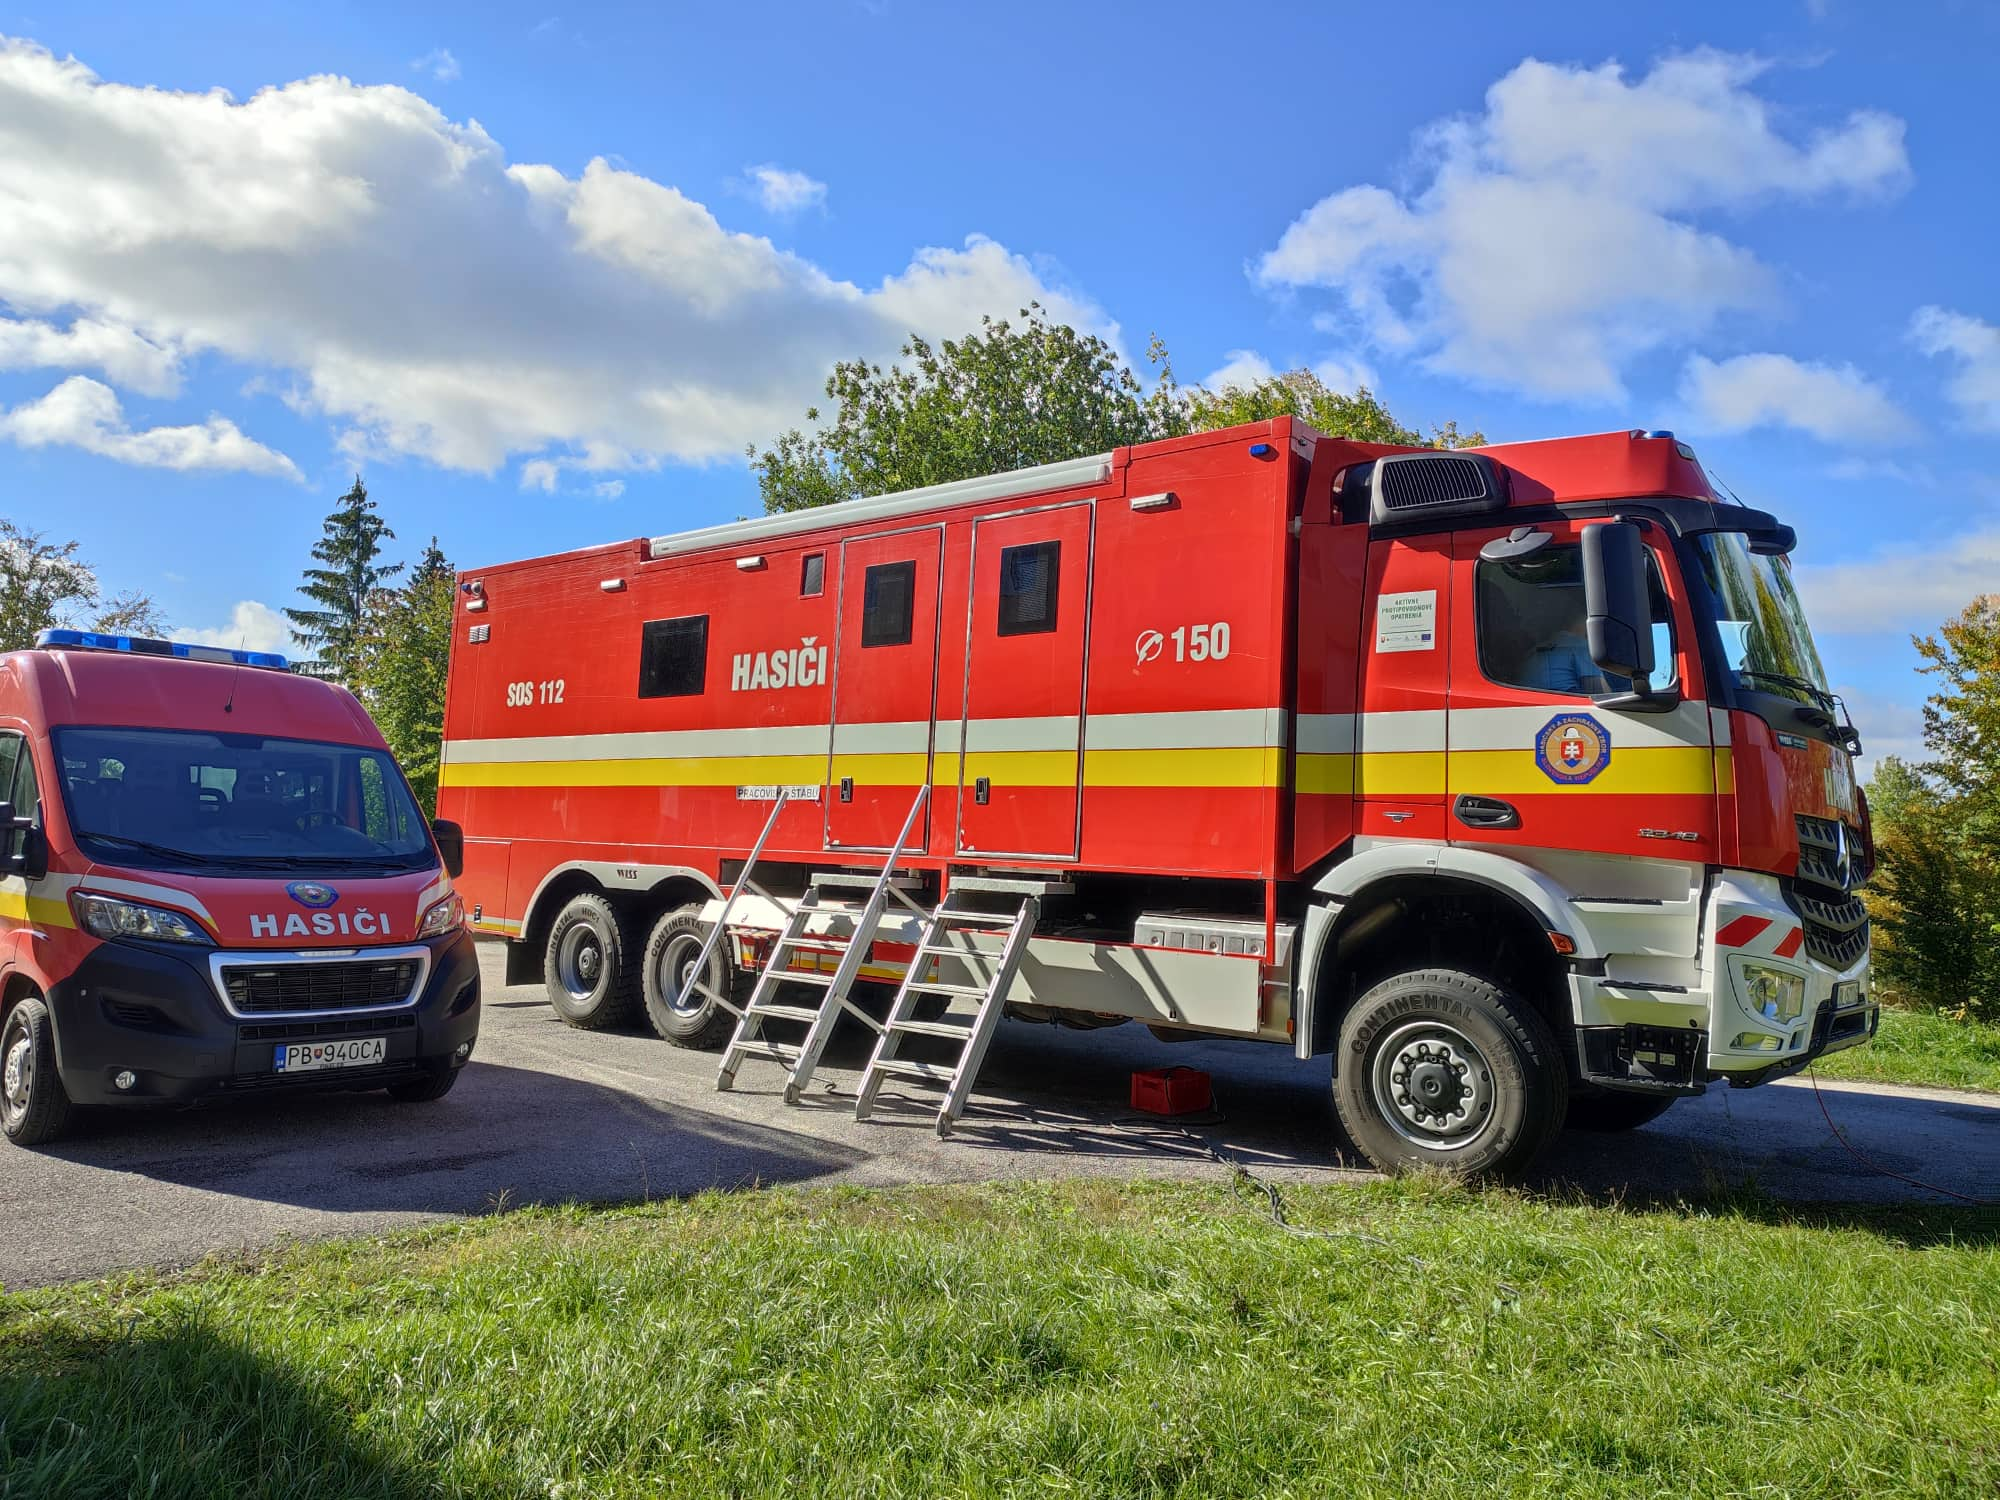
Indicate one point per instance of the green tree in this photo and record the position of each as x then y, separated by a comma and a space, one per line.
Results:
1936, 896
1302, 394
342, 588
45, 584
403, 677
1032, 392
1003, 398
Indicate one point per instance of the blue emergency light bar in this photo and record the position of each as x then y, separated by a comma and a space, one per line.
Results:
139, 645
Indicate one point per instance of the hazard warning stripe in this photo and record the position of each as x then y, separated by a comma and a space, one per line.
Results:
1739, 931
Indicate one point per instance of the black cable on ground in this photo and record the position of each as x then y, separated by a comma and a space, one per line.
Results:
1875, 1166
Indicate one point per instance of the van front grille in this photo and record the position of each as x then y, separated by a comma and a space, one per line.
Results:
343, 984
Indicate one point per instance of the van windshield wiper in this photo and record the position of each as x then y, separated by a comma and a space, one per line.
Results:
164, 850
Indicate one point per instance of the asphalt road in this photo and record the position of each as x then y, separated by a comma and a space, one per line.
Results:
546, 1114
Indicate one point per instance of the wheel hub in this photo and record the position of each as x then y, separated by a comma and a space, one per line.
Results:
580, 962
682, 964
18, 1073
1434, 1085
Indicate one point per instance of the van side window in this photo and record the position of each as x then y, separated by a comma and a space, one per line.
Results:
888, 603
17, 785
11, 746
1028, 577
1530, 625
673, 657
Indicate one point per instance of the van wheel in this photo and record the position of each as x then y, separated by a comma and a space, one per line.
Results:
1443, 1069
672, 952
34, 1107
588, 968
424, 1090
1610, 1112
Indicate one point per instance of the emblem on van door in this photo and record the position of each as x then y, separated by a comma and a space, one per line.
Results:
1572, 749
310, 893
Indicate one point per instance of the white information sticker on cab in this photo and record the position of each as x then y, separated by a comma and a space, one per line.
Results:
348, 1052
1407, 622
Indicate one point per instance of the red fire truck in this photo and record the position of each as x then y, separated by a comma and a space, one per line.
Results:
1508, 778
214, 881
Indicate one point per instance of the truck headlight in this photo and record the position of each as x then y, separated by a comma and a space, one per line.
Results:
109, 917
446, 916
1774, 994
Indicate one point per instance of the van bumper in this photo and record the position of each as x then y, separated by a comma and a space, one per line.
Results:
153, 1011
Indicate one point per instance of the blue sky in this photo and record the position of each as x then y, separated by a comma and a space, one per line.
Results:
540, 273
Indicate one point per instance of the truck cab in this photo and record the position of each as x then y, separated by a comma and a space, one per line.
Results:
215, 881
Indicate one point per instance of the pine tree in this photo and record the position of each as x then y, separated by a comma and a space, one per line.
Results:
408, 653
342, 588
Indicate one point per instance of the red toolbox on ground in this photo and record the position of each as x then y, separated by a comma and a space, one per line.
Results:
1172, 1091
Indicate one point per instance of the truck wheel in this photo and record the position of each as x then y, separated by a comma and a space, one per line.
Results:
671, 955
592, 981
34, 1106
1443, 1069
1609, 1111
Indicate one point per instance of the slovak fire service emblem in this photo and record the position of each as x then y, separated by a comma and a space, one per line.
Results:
1572, 749
310, 893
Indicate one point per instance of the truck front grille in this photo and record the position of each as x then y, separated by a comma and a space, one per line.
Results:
1829, 854
1836, 927
293, 988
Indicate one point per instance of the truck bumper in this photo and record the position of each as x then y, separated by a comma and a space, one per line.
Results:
154, 1012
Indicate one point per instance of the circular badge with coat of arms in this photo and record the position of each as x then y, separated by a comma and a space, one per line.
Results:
1572, 749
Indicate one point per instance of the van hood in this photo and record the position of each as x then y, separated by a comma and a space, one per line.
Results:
269, 911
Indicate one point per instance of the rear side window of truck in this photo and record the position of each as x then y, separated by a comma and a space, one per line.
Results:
673, 657
1028, 576
888, 604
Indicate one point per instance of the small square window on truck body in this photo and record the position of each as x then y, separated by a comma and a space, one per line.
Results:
673, 657
888, 604
1028, 578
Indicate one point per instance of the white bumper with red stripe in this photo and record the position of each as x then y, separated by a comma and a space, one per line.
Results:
1770, 1002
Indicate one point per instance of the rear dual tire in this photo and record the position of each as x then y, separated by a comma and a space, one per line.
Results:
588, 965
673, 957
1441, 1069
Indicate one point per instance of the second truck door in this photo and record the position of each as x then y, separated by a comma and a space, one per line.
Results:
1020, 770
884, 688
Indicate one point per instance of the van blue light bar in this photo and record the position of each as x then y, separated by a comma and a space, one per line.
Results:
139, 645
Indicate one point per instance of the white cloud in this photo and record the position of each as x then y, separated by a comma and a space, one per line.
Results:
394, 271
1551, 238
1882, 470
252, 627
1244, 368
439, 63
783, 191
1835, 403
84, 413
541, 474
1901, 588
608, 489
90, 343
1975, 388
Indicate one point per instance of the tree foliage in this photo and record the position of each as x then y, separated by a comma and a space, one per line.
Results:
46, 585
1015, 394
407, 655
342, 588
1936, 897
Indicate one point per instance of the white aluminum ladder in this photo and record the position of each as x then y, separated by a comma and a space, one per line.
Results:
970, 1034
801, 1058
692, 984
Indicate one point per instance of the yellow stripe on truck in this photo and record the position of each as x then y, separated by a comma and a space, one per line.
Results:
1653, 771
759, 770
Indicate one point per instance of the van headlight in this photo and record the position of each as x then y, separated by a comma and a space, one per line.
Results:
1774, 994
110, 917
447, 915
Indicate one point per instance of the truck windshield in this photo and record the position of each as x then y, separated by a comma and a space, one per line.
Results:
1765, 641
186, 800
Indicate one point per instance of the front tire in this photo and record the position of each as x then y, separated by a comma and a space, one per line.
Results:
1443, 1069
424, 1090
672, 952
35, 1108
592, 982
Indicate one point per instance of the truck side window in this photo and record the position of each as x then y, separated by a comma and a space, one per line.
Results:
673, 657
1530, 625
812, 575
1028, 576
888, 604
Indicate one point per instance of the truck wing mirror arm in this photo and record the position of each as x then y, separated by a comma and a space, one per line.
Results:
1643, 700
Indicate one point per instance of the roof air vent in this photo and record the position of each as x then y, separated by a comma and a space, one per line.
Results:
1420, 487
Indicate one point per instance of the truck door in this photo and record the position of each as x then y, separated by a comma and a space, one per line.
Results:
1532, 760
884, 688
1020, 747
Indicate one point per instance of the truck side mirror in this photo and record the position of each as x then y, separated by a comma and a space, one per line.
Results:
451, 845
1618, 616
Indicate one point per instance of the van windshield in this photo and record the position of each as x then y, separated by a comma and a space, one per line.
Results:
178, 799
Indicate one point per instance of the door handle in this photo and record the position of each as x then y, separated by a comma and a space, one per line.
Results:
982, 790
1486, 812
847, 789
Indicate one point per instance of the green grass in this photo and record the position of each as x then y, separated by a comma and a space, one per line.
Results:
1925, 1049
1073, 1339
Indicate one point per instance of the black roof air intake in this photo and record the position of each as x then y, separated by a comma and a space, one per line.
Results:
1407, 488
